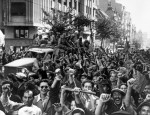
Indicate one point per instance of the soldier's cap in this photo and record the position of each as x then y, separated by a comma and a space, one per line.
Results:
118, 90
78, 110
121, 112
8, 82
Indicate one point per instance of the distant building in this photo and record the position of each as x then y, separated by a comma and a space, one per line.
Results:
116, 12
89, 11
20, 19
103, 5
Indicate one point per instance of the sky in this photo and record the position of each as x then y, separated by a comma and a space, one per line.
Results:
140, 13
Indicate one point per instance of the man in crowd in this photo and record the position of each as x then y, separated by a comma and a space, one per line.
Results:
147, 90
11, 95
109, 103
42, 100
144, 108
88, 100
48, 94
24, 108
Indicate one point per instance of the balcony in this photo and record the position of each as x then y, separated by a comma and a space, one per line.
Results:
18, 21
18, 14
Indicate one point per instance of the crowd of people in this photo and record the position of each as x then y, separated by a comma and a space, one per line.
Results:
79, 82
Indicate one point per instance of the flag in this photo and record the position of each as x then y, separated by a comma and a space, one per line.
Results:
140, 82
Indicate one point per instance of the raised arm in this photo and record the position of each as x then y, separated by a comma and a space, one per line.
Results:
100, 107
128, 94
76, 94
6, 102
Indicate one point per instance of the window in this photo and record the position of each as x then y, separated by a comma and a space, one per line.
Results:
93, 12
18, 9
87, 9
21, 32
59, 1
90, 10
3, 15
70, 4
65, 3
79, 7
75, 4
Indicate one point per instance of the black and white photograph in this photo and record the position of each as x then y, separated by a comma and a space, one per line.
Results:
74, 57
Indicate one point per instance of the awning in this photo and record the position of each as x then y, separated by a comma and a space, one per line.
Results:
41, 50
2, 36
21, 62
101, 14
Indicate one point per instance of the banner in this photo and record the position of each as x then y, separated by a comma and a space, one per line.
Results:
140, 83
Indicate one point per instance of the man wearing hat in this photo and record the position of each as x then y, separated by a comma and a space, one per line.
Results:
144, 108
110, 103
116, 102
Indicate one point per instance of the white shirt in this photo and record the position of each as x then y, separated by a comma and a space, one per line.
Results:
2, 113
43, 100
88, 103
32, 110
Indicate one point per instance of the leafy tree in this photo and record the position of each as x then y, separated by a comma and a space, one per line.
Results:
59, 21
63, 27
104, 30
108, 29
80, 21
116, 34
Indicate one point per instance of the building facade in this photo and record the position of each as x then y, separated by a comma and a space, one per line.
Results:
89, 10
116, 11
20, 19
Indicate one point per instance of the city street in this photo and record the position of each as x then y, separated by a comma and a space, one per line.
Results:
74, 57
